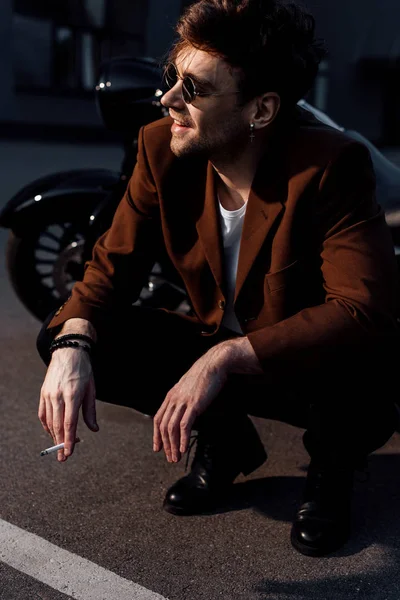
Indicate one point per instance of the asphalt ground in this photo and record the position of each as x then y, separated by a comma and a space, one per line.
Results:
94, 528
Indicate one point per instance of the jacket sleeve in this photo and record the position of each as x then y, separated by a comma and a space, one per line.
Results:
358, 269
123, 256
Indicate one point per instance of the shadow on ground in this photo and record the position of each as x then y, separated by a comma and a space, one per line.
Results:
376, 501
376, 528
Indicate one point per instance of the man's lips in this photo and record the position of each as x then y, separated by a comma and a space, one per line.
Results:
180, 123
178, 129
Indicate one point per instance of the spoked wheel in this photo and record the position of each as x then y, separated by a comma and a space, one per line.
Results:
44, 264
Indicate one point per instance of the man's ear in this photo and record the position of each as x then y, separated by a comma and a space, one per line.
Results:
266, 109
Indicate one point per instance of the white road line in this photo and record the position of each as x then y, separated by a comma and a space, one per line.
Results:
63, 570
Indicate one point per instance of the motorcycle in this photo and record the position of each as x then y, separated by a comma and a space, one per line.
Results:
55, 221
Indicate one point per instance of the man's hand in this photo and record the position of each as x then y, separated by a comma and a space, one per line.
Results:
68, 385
196, 390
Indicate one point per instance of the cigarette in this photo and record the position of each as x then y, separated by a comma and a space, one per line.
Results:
55, 448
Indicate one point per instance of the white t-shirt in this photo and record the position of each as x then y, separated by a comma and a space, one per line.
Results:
231, 226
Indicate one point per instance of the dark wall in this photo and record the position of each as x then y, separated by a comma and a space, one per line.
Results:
128, 16
68, 12
161, 20
363, 37
361, 92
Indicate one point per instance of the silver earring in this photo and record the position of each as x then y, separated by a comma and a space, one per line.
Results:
252, 135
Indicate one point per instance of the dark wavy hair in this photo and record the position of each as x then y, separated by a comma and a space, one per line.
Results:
272, 43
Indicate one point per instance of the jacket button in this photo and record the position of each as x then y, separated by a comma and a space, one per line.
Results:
221, 304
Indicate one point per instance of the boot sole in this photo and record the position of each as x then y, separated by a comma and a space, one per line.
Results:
208, 508
315, 552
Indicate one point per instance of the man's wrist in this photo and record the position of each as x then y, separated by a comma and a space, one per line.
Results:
62, 343
79, 326
237, 356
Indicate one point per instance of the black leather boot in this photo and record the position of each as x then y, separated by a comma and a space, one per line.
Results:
322, 524
219, 458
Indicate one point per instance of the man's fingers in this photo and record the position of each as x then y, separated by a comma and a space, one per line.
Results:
58, 424
157, 439
49, 418
71, 414
186, 427
164, 432
171, 422
42, 414
174, 431
89, 406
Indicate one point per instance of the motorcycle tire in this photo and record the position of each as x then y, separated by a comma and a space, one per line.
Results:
41, 264
44, 264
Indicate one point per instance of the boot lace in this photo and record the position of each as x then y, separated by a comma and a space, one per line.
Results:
193, 440
204, 451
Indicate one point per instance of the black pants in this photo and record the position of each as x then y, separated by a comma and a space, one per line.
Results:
346, 412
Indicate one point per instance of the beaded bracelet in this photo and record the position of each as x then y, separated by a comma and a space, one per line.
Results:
68, 344
76, 336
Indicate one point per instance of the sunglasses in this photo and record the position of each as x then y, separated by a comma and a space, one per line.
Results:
189, 90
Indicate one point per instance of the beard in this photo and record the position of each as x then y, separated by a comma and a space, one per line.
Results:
225, 141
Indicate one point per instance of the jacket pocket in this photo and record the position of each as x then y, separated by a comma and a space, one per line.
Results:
274, 282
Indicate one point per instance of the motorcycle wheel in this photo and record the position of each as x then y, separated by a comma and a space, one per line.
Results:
45, 262
41, 265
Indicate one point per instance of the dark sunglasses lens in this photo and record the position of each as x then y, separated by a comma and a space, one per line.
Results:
188, 91
170, 76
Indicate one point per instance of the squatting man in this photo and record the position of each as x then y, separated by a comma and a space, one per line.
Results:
270, 220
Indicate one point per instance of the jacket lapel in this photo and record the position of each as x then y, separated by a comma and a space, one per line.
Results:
264, 206
208, 228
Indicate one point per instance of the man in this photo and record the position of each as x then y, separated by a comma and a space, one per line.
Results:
271, 221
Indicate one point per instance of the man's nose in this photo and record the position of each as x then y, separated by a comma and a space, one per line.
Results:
173, 97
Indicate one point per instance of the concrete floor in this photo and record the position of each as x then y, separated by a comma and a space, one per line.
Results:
104, 504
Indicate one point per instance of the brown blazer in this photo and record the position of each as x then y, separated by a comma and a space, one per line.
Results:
316, 271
